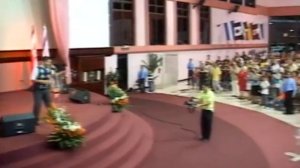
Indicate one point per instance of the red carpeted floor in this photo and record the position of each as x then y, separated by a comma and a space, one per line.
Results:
240, 139
112, 139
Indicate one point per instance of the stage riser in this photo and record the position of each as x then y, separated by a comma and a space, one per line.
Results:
109, 135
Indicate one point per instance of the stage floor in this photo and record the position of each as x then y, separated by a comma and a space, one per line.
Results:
111, 139
21, 102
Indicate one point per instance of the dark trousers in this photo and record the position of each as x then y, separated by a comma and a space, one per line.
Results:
38, 97
206, 123
141, 83
190, 77
288, 102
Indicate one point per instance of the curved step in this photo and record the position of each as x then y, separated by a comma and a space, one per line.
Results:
124, 140
129, 144
102, 148
135, 157
47, 158
35, 149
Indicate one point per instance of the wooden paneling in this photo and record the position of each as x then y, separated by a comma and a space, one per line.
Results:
85, 60
7, 56
91, 51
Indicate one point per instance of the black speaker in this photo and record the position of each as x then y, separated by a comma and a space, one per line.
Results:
17, 124
79, 96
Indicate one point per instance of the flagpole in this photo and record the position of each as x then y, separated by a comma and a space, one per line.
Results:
45, 43
34, 56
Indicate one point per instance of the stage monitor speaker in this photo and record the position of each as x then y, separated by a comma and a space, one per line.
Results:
79, 96
17, 124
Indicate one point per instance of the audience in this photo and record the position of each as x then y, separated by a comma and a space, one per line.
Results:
258, 77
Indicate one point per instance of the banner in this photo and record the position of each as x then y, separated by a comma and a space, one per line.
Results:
243, 31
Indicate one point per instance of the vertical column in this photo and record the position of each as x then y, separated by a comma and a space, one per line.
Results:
194, 25
171, 22
141, 22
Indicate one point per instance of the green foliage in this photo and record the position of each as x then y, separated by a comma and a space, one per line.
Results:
112, 77
67, 133
154, 61
119, 99
65, 141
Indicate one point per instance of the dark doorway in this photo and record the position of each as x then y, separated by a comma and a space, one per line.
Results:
123, 71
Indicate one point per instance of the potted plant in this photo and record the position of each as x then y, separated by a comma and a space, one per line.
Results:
118, 98
154, 62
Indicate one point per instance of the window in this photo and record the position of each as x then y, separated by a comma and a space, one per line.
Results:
157, 22
182, 23
204, 24
122, 23
250, 3
239, 2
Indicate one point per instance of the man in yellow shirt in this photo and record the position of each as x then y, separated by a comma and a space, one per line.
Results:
207, 104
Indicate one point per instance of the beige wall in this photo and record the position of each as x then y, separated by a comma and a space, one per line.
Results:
17, 17
277, 3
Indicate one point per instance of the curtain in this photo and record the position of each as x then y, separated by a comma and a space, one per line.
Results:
59, 16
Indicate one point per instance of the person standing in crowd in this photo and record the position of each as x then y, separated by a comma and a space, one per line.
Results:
276, 79
190, 67
225, 76
291, 66
216, 77
242, 81
289, 88
142, 76
207, 104
265, 84
203, 77
234, 70
41, 86
254, 79
195, 78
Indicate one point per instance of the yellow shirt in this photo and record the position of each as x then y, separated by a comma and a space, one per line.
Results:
208, 97
216, 73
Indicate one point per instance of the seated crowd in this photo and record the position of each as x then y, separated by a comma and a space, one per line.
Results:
262, 78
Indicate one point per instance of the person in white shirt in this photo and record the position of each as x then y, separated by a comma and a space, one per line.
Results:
275, 66
265, 84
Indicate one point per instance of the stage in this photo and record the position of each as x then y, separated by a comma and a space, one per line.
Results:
111, 139
156, 131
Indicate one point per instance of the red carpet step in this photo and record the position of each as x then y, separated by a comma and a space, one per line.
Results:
113, 140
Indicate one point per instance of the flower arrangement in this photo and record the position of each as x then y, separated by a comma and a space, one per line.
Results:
119, 99
67, 133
